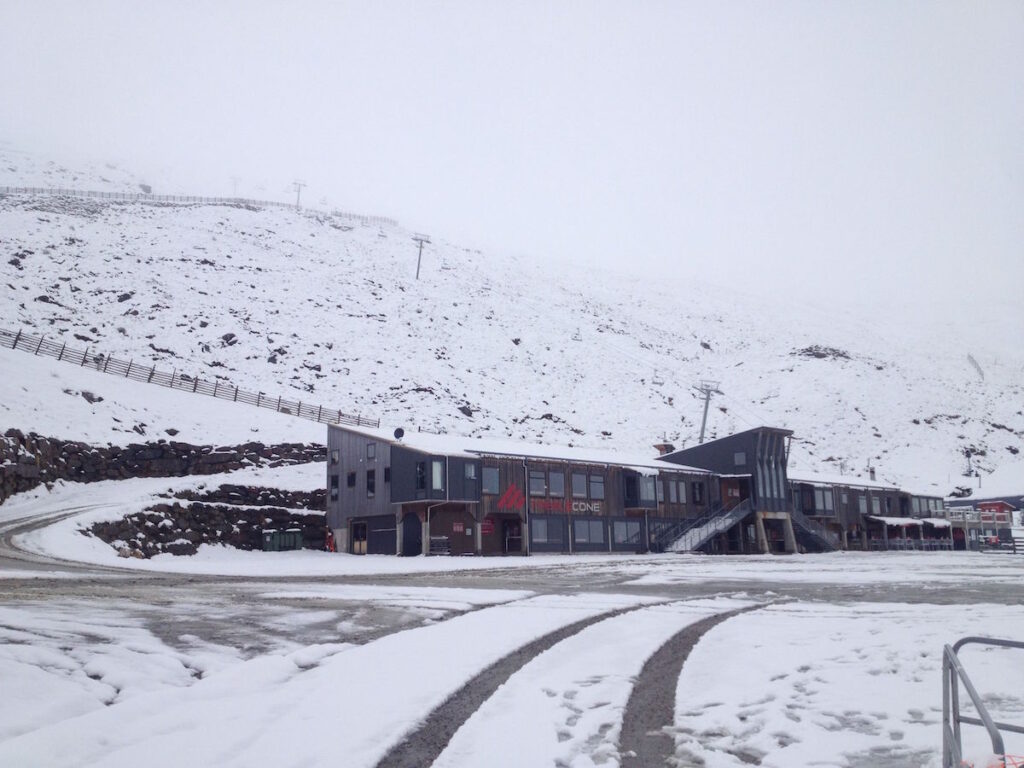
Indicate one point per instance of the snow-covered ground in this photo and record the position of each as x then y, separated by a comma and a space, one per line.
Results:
328, 310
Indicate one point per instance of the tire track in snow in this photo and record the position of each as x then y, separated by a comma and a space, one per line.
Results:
425, 744
644, 741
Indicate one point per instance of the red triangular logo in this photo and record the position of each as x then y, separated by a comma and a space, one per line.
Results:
512, 499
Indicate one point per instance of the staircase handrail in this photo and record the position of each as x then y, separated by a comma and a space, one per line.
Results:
711, 525
815, 528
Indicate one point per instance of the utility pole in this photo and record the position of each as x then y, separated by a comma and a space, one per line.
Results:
298, 192
706, 388
421, 239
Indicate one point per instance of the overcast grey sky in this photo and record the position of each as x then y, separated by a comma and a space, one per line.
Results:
824, 147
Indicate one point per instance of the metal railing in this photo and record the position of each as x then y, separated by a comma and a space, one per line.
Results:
826, 538
40, 345
143, 197
953, 675
701, 530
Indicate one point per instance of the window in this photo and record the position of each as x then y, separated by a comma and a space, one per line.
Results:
371, 483
862, 503
876, 505
819, 499
490, 480
829, 500
626, 531
660, 489
556, 484
673, 497
682, 491
546, 530
579, 485
740, 458
371, 451
597, 487
470, 471
646, 489
437, 475
537, 485
350, 480
335, 456
387, 474
588, 531
697, 492
334, 487
421, 475
844, 498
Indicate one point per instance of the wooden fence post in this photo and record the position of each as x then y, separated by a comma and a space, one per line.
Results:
61, 355
173, 374
319, 412
39, 345
215, 388
106, 362
195, 384
151, 372
258, 396
129, 371
85, 355
236, 395
16, 338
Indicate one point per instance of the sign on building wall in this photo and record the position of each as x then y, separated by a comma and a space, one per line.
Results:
513, 500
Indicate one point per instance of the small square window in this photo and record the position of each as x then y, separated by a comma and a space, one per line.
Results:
596, 487
335, 456
350, 480
470, 471
371, 451
537, 484
740, 458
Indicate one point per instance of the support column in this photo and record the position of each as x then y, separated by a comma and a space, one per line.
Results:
843, 538
426, 532
885, 535
789, 535
398, 532
762, 537
864, 537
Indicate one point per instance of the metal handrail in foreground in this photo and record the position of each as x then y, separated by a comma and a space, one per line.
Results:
952, 675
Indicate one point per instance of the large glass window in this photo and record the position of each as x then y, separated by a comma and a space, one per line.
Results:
646, 489
862, 503
876, 505
660, 488
697, 492
626, 531
537, 484
682, 491
556, 484
371, 483
437, 475
588, 531
597, 487
490, 480
546, 530
421, 475
579, 485
673, 496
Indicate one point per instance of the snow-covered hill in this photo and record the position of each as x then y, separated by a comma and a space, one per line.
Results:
327, 308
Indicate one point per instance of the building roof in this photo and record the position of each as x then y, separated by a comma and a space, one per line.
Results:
474, 447
813, 478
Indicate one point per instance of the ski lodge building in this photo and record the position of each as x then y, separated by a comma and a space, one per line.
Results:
423, 493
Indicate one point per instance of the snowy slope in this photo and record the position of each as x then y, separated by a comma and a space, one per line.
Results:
327, 309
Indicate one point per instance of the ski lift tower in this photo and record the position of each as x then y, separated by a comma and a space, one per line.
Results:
421, 239
707, 389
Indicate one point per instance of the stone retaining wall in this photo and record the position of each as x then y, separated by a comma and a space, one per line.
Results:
27, 460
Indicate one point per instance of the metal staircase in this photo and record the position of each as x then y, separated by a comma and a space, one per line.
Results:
700, 531
816, 532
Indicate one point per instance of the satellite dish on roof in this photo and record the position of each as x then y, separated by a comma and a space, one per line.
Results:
399, 433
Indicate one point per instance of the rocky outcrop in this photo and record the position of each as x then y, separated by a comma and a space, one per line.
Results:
26, 460
179, 529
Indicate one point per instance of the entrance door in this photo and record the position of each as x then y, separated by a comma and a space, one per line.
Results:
513, 536
358, 538
412, 535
